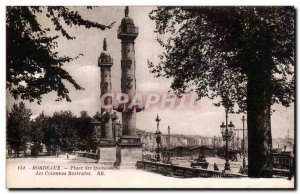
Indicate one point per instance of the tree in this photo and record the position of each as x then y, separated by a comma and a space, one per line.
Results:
86, 132
64, 123
244, 53
33, 66
37, 133
18, 125
35, 137
51, 136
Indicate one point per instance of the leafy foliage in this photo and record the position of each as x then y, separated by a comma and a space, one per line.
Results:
62, 131
36, 134
18, 125
50, 134
33, 67
86, 132
213, 50
65, 124
243, 55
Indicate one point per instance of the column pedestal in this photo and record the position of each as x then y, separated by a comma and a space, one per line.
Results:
107, 153
129, 151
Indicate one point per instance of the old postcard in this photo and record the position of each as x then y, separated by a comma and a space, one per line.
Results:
150, 97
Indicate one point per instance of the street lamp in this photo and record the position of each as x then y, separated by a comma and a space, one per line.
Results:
158, 137
244, 160
140, 136
227, 134
169, 144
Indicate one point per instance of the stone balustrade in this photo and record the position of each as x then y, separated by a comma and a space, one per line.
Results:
180, 171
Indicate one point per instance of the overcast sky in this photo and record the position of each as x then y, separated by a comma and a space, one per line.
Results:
204, 120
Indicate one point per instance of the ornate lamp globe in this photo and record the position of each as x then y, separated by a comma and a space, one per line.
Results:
243, 118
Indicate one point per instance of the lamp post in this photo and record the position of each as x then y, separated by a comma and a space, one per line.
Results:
237, 138
169, 137
140, 136
158, 137
169, 144
244, 160
227, 134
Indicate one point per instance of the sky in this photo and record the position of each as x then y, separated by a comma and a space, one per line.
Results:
204, 120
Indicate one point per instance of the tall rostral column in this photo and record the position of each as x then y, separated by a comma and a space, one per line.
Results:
107, 146
130, 144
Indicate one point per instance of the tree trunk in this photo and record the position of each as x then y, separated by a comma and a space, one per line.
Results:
259, 121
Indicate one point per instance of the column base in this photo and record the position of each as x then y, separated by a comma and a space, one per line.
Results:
107, 153
129, 151
104, 142
130, 140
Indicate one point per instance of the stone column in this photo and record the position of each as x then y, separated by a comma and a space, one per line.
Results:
107, 146
128, 86
130, 144
128, 32
105, 63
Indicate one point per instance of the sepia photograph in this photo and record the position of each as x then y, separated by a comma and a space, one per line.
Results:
150, 97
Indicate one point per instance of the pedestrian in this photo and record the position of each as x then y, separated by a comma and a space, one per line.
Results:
67, 156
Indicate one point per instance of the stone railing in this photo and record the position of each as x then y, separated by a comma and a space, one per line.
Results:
180, 171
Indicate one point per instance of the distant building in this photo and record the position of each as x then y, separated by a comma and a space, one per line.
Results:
194, 151
193, 141
283, 144
177, 140
207, 151
180, 151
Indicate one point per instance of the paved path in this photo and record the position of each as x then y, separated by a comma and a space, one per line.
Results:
123, 178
